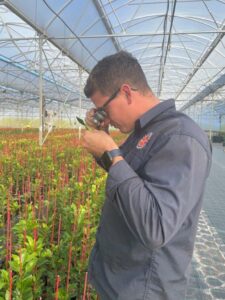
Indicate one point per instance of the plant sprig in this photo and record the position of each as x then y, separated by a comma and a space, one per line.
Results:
81, 121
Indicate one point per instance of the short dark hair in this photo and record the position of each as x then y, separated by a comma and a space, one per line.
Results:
113, 71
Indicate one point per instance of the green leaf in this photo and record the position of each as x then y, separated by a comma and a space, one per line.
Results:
81, 122
46, 253
5, 275
7, 295
16, 258
15, 266
27, 282
2, 284
30, 241
28, 295
30, 265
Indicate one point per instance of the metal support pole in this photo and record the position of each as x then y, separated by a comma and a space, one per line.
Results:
212, 118
41, 99
220, 122
222, 128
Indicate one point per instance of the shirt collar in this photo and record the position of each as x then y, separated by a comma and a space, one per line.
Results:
152, 113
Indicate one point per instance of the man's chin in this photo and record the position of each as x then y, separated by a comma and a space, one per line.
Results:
124, 130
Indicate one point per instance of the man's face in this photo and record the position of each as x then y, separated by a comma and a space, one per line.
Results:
116, 110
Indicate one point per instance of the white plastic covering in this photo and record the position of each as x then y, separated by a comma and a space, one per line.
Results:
63, 22
180, 44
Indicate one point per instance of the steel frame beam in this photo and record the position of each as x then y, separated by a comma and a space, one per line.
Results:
121, 35
165, 47
106, 23
202, 60
15, 11
208, 90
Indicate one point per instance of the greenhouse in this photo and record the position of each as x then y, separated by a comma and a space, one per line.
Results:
53, 187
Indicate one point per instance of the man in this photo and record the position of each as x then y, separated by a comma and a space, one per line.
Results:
154, 189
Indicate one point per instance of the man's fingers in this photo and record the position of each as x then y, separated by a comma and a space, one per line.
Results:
84, 139
89, 118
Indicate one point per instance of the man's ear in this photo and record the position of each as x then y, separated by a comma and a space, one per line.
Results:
127, 90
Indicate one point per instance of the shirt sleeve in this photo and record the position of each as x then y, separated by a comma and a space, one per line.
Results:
155, 205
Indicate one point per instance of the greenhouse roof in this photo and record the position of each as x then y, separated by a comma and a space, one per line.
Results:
180, 45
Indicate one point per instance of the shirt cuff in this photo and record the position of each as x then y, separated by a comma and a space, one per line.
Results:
118, 173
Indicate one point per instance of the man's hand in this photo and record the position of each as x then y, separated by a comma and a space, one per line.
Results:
104, 125
97, 142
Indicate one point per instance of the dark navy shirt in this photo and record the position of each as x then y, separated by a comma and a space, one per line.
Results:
145, 239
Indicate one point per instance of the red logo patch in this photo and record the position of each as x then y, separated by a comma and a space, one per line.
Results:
143, 141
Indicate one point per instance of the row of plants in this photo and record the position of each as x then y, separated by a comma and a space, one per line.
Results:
51, 199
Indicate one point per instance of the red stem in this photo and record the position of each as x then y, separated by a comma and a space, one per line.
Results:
69, 267
59, 228
47, 208
53, 221
57, 287
35, 233
85, 286
8, 233
53, 229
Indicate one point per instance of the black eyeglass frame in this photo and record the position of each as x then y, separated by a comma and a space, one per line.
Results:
113, 96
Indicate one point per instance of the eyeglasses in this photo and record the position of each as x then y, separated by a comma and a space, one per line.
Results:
113, 96
102, 108
100, 113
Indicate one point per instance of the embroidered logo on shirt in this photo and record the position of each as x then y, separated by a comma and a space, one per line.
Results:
143, 141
